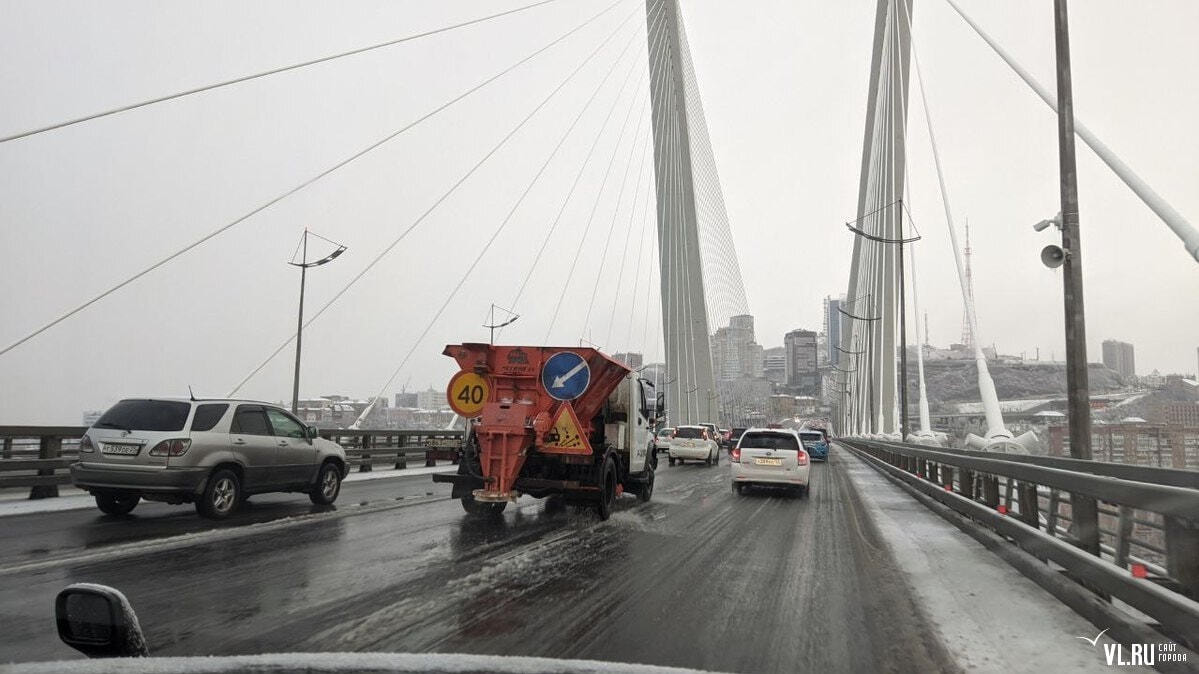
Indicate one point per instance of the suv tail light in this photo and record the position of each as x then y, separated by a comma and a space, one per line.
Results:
176, 447
735, 454
85, 445
801, 457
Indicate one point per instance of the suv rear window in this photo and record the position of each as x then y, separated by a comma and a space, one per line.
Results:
692, 432
769, 441
146, 415
207, 416
811, 437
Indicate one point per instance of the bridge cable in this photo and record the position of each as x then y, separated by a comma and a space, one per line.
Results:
574, 185
624, 255
624, 180
512, 211
441, 199
590, 221
265, 73
213, 234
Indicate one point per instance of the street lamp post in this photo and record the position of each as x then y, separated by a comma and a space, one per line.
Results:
304, 264
1084, 509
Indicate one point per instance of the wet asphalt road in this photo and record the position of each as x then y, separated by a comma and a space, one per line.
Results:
697, 578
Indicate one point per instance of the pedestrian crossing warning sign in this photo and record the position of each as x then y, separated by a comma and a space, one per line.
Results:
565, 435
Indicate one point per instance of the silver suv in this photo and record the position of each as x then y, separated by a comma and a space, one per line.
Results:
214, 453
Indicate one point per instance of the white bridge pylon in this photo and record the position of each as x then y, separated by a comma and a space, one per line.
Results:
701, 278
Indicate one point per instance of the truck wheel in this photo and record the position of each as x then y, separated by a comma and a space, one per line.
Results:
607, 496
481, 508
647, 488
671, 460
117, 504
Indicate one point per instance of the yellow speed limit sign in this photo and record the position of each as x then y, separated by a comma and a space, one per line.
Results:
467, 392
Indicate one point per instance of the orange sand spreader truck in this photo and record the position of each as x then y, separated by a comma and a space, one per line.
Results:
562, 422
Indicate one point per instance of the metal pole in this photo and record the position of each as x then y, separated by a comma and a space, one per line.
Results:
903, 339
295, 387
1085, 510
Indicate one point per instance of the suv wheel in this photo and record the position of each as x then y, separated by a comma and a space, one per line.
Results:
328, 485
117, 504
221, 495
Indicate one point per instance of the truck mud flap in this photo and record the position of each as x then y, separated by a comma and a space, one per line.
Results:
464, 485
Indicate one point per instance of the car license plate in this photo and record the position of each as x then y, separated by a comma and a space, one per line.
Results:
768, 462
126, 450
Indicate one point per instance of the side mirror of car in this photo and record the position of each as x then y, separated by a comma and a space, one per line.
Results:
310, 432
99, 622
661, 405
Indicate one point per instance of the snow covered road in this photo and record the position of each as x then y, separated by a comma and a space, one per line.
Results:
697, 578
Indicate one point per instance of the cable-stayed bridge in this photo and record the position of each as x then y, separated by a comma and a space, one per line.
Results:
637, 254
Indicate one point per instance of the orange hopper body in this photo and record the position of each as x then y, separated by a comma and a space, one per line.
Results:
519, 414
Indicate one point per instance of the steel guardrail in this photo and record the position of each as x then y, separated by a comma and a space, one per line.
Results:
1177, 614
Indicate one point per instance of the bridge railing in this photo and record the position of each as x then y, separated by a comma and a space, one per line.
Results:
1154, 511
39, 457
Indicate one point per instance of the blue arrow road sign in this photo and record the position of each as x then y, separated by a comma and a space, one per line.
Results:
565, 375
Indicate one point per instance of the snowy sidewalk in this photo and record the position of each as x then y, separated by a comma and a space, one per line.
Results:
986, 613
16, 501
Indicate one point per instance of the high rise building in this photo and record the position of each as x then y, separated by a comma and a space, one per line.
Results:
774, 364
1118, 356
801, 371
735, 354
832, 327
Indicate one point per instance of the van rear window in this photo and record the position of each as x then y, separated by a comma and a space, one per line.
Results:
769, 441
693, 432
146, 415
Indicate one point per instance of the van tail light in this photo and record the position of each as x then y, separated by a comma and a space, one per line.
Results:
735, 454
85, 445
801, 457
176, 447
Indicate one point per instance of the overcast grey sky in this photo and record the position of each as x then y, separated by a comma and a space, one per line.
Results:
784, 91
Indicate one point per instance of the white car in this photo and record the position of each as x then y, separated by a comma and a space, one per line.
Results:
693, 443
770, 457
662, 439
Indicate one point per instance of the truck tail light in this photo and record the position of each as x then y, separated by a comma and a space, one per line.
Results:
85, 445
735, 454
176, 447
801, 457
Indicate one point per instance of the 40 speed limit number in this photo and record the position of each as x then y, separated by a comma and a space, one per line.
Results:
467, 392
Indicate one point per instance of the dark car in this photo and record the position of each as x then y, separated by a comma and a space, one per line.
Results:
733, 437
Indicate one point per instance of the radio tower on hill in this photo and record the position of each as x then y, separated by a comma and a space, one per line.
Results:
967, 328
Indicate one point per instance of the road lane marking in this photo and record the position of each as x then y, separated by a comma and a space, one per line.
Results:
212, 535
